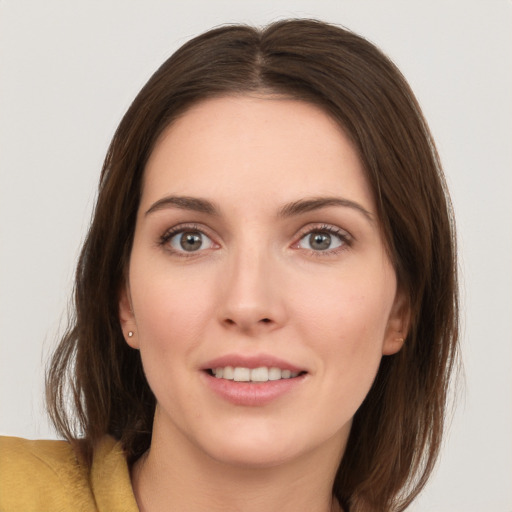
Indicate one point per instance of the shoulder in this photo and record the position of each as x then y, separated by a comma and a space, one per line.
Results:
37, 476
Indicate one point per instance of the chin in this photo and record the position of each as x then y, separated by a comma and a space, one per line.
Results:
267, 446
253, 455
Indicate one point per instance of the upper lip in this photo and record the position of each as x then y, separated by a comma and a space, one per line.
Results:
253, 361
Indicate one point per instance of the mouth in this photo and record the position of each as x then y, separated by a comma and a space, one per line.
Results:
260, 374
253, 381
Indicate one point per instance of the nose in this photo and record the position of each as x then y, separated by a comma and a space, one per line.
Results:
253, 292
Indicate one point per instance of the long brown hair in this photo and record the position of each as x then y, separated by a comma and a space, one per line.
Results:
396, 433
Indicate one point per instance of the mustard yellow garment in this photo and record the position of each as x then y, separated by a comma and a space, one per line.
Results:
45, 476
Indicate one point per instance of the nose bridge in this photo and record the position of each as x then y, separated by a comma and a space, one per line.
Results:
252, 296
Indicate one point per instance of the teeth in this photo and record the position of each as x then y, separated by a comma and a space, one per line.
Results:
274, 374
261, 374
227, 372
242, 374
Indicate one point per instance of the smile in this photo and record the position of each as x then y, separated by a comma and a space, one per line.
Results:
261, 374
253, 381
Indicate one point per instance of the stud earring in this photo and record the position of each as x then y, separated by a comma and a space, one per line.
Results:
400, 340
130, 334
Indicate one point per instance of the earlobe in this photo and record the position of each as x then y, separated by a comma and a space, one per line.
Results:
392, 345
398, 325
127, 317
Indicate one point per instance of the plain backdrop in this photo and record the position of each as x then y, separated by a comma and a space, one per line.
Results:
69, 70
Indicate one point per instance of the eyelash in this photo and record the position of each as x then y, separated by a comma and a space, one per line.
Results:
176, 230
345, 238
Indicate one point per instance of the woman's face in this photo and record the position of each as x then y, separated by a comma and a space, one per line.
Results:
260, 292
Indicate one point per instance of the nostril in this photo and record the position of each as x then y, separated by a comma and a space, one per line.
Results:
246, 324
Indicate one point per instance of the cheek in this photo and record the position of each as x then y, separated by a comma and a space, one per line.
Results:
352, 311
346, 321
168, 308
171, 315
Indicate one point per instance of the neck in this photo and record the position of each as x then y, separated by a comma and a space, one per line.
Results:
176, 475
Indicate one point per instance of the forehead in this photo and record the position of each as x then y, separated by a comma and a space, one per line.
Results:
246, 146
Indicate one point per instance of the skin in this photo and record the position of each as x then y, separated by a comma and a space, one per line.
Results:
256, 286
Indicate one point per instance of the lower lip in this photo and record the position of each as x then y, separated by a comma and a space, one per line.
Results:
252, 393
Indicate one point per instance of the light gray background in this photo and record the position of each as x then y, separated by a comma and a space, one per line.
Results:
68, 71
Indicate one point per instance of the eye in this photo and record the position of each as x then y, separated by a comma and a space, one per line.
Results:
324, 239
188, 240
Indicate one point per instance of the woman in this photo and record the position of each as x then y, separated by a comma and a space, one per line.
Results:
266, 303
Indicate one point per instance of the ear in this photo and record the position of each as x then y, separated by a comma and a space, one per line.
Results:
127, 317
398, 325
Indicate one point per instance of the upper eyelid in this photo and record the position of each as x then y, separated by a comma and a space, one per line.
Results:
164, 240
299, 234
192, 226
346, 238
331, 228
171, 232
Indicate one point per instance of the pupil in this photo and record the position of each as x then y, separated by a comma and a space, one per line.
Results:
190, 241
320, 241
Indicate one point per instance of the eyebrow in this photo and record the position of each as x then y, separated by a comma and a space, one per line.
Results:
288, 210
317, 203
184, 203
